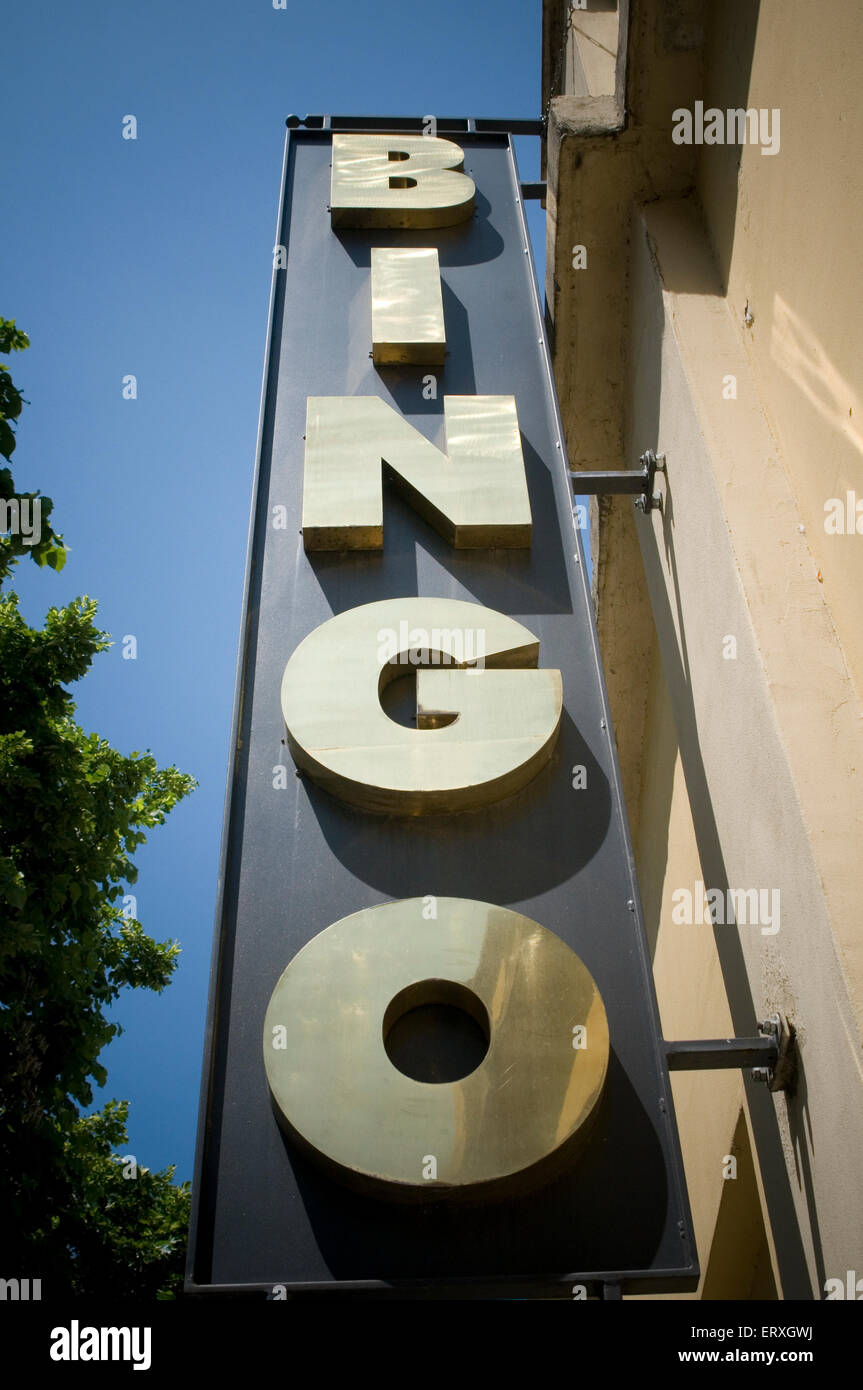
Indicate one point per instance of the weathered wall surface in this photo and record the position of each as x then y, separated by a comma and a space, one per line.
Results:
717, 319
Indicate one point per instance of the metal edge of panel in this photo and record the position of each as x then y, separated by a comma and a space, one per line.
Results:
633, 1283
216, 956
555, 1286
453, 125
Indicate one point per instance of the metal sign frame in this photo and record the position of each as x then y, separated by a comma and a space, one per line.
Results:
263, 1218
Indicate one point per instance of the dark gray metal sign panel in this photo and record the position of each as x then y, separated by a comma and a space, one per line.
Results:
295, 860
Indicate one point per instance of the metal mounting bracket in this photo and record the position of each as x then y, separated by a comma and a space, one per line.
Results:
770, 1055
625, 480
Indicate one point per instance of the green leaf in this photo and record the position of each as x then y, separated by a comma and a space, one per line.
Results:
56, 557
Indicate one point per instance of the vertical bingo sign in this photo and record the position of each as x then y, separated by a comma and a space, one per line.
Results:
433, 1051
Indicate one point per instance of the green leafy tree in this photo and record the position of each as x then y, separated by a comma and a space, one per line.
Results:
127, 1229
47, 547
72, 812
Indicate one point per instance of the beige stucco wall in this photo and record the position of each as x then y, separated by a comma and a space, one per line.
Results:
756, 731
786, 234
739, 771
784, 230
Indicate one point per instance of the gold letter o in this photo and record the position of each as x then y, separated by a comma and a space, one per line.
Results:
525, 1109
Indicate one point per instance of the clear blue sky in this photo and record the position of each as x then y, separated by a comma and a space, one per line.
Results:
153, 257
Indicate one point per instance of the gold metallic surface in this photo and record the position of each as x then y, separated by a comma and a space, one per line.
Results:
475, 494
398, 181
525, 1110
481, 735
407, 307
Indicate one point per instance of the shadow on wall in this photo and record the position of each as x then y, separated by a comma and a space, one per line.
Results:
729, 45
739, 1261
671, 627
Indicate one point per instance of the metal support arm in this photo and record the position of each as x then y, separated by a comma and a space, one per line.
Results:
626, 480
770, 1054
